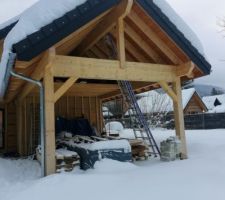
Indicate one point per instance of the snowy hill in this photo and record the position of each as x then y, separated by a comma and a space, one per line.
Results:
205, 90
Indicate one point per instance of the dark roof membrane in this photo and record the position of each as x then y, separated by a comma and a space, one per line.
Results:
4, 32
60, 28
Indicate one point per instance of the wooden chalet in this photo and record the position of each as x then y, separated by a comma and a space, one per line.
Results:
195, 105
70, 57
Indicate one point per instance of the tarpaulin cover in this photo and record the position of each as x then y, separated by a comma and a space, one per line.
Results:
79, 126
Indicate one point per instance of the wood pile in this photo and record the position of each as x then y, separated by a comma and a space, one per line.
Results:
140, 150
65, 160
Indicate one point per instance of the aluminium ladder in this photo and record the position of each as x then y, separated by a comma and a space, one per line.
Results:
138, 121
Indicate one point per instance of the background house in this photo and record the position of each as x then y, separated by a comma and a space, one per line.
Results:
215, 104
154, 102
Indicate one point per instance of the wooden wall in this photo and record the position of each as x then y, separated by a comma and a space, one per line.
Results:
74, 106
10, 127
28, 121
195, 106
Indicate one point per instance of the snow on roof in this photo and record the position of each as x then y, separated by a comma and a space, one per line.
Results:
210, 100
158, 102
11, 10
180, 24
33, 19
218, 109
44, 12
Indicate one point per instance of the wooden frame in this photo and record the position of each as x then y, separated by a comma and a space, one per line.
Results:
3, 128
90, 68
50, 160
162, 66
179, 117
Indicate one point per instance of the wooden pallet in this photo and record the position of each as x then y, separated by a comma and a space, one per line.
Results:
65, 160
140, 150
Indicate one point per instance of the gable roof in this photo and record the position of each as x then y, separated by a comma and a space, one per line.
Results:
10, 13
210, 100
172, 29
45, 35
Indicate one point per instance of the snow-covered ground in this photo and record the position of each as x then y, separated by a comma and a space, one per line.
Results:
202, 176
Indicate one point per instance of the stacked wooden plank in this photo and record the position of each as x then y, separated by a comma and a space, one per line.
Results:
65, 160
140, 150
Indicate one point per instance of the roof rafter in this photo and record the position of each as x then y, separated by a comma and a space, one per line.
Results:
154, 38
103, 27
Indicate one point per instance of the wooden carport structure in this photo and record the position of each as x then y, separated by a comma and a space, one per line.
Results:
77, 72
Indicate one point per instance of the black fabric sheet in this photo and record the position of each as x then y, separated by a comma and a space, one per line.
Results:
78, 126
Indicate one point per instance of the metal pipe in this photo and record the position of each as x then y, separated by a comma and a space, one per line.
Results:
42, 117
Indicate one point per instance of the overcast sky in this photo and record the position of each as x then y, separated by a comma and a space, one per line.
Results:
201, 15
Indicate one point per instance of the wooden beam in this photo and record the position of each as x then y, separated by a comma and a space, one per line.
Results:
26, 64
1, 46
168, 90
67, 44
121, 43
38, 73
142, 44
179, 117
120, 36
90, 68
137, 87
186, 69
66, 86
50, 161
154, 38
132, 50
104, 26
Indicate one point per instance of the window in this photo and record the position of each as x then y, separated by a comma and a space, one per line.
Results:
1, 129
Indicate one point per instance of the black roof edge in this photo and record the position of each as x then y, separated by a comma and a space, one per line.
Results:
60, 28
4, 32
178, 37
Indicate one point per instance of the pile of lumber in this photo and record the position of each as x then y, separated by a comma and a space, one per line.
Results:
65, 160
140, 150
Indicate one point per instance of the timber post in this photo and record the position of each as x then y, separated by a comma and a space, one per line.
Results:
179, 117
50, 161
